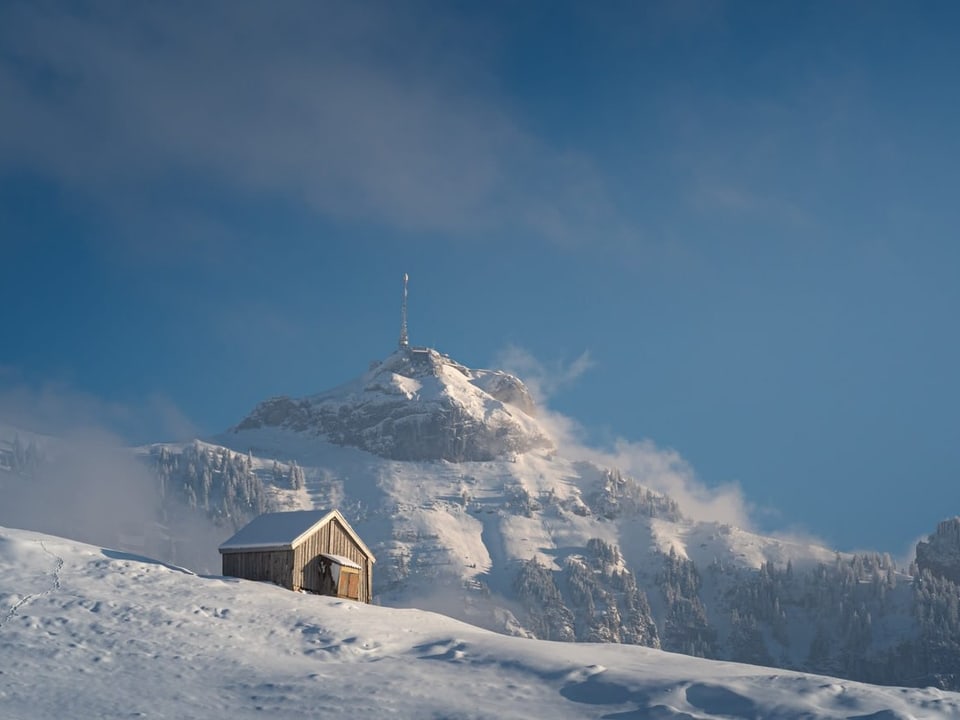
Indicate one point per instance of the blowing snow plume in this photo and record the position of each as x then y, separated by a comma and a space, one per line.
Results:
661, 469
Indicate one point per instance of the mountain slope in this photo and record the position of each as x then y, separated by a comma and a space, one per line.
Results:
87, 632
468, 521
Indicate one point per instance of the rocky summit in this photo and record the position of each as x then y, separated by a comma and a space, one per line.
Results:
417, 404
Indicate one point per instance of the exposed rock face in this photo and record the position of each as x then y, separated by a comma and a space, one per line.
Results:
940, 554
279, 412
416, 405
505, 388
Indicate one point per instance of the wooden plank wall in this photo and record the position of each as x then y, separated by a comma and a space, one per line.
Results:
331, 538
274, 566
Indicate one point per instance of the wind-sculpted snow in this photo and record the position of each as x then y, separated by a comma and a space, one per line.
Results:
98, 633
416, 405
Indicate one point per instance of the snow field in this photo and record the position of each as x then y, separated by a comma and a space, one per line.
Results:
88, 632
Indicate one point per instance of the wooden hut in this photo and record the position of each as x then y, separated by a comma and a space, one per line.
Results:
307, 550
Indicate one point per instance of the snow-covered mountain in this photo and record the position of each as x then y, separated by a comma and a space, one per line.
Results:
474, 509
87, 632
416, 405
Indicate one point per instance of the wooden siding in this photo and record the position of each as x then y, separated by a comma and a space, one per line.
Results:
274, 566
332, 538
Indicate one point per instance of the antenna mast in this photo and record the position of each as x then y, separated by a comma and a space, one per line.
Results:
404, 341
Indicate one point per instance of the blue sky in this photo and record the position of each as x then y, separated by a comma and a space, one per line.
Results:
744, 214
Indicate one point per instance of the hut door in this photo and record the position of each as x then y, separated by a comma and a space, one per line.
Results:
349, 583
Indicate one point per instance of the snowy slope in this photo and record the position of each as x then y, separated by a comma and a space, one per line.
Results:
87, 632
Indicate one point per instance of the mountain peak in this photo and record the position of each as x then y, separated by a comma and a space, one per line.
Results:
416, 404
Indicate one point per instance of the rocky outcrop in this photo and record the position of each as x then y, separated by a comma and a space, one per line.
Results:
279, 412
940, 554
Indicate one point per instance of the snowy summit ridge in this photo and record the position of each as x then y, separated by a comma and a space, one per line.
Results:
417, 404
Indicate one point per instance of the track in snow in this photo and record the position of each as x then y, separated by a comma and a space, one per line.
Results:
54, 586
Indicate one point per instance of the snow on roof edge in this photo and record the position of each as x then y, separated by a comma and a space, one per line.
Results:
341, 560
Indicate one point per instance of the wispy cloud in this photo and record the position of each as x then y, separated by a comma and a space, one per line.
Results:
542, 379
769, 156
355, 111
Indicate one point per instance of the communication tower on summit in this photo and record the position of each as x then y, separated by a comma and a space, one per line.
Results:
404, 341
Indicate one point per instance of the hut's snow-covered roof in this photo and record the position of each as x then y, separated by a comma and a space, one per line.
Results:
285, 530
341, 560
277, 529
